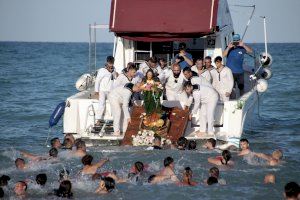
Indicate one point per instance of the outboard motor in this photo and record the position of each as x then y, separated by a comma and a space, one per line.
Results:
84, 82
57, 113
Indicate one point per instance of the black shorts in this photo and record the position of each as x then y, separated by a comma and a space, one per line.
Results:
239, 80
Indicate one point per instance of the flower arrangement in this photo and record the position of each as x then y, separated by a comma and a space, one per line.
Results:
145, 138
152, 92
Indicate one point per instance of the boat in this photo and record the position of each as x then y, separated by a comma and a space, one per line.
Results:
144, 29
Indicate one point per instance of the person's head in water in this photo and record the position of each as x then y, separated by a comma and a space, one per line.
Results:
169, 162
277, 154
187, 175
182, 143
151, 178
138, 166
212, 180
210, 143
214, 172
20, 163
226, 156
192, 145
55, 143
291, 191
68, 144
87, 160
244, 144
20, 188
41, 179
107, 184
269, 178
53, 152
65, 189
80, 145
4, 180
71, 137
64, 175
157, 140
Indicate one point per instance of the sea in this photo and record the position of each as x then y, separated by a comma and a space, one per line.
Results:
35, 77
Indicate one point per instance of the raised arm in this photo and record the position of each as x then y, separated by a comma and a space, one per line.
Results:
263, 156
225, 52
101, 162
30, 156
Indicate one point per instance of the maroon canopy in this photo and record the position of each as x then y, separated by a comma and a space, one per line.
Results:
162, 20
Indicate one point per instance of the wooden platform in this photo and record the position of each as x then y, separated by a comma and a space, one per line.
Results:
178, 123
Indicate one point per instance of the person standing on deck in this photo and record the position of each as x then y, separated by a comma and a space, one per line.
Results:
183, 58
235, 57
127, 76
200, 69
150, 64
206, 98
222, 80
119, 101
103, 85
164, 69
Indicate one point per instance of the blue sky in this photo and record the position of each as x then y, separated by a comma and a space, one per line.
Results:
67, 20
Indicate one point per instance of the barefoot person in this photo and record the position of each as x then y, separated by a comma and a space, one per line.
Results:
119, 102
88, 167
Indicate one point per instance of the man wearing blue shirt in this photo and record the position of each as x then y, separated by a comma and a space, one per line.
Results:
183, 58
235, 57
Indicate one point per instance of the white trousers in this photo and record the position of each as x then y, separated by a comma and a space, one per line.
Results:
102, 103
119, 123
207, 115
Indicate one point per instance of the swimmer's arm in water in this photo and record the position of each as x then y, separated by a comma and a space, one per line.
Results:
213, 161
101, 162
31, 156
263, 156
244, 152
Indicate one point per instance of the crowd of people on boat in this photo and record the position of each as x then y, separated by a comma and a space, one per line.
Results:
184, 80
140, 172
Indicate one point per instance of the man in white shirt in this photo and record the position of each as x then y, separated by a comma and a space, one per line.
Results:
151, 63
119, 101
164, 69
174, 85
127, 76
200, 69
103, 84
222, 80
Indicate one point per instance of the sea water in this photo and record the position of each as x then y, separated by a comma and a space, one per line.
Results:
35, 77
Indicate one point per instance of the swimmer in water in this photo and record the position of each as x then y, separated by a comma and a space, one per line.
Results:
244, 145
192, 145
64, 175
210, 144
155, 179
70, 137
269, 178
64, 190
187, 178
41, 179
52, 154
20, 189
106, 185
182, 143
212, 180
222, 160
55, 143
4, 180
157, 142
88, 167
272, 160
292, 191
20, 164
168, 169
67, 144
80, 149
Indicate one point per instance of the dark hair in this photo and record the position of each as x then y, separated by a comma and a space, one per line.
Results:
67, 143
188, 171
53, 152
212, 141
199, 59
207, 58
1, 192
87, 160
18, 160
53, 140
218, 59
152, 59
157, 137
162, 59
41, 179
226, 155
4, 180
63, 174
186, 69
182, 46
212, 180
109, 183
168, 160
110, 59
182, 142
139, 166
131, 66
244, 140
80, 144
192, 145
214, 171
65, 189
292, 190
187, 84
150, 179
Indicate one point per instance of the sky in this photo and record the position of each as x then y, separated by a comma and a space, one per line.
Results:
68, 20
